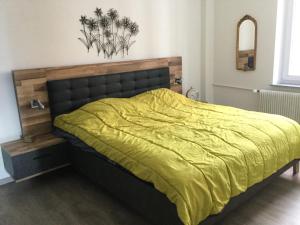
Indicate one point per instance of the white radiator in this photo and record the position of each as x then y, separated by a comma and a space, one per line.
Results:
281, 103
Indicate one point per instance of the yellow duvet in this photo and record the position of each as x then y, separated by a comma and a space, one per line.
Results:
199, 155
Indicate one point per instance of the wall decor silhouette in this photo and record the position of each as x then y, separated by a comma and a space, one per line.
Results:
108, 33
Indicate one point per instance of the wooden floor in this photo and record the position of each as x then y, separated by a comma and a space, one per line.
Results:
66, 198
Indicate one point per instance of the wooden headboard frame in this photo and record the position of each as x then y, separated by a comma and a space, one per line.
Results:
32, 84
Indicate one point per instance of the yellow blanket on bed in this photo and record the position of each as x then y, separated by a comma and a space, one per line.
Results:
199, 155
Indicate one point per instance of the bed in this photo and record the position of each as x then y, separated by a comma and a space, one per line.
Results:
215, 149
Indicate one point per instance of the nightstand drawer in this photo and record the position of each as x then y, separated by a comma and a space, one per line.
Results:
34, 162
40, 160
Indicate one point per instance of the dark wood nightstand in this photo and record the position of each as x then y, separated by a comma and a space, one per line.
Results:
26, 160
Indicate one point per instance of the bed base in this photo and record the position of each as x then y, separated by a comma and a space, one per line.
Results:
143, 197
296, 169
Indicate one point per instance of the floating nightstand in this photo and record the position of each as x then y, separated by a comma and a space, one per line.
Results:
26, 160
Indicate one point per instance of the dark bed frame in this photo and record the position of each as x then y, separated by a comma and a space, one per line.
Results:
70, 94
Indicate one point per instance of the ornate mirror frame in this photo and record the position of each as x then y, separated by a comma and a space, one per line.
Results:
240, 54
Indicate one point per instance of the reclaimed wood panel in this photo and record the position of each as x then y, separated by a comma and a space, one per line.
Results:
177, 88
32, 84
18, 147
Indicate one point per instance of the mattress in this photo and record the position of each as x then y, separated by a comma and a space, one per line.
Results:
74, 141
199, 155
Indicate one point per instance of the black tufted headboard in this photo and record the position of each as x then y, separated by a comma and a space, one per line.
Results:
70, 94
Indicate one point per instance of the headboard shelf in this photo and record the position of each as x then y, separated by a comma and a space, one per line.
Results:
32, 84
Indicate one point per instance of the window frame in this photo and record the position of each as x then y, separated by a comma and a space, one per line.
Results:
285, 46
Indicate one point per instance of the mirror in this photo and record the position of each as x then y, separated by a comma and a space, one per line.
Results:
246, 44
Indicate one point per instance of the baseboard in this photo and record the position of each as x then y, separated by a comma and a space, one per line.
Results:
6, 180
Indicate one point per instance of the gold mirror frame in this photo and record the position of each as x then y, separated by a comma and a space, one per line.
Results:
241, 55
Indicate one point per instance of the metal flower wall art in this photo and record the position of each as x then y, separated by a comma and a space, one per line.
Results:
108, 33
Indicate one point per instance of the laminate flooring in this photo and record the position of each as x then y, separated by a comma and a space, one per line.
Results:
66, 198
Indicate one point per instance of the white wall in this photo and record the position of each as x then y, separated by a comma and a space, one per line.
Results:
230, 84
35, 33
207, 50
